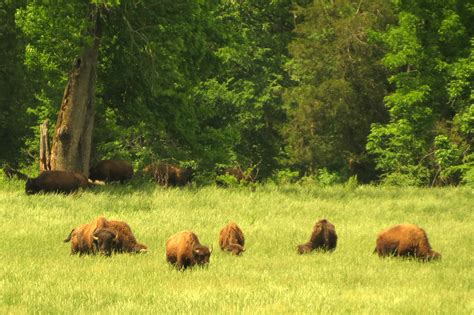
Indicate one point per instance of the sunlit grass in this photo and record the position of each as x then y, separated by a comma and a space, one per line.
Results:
39, 275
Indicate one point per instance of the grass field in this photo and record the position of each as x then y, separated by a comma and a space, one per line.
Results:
39, 276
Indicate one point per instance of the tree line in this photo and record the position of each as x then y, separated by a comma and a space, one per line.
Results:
381, 90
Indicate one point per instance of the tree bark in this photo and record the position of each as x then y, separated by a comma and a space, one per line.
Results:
73, 136
44, 147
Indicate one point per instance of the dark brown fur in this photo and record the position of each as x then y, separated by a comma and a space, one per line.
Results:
111, 171
168, 175
56, 181
231, 238
405, 240
323, 237
184, 250
125, 240
82, 237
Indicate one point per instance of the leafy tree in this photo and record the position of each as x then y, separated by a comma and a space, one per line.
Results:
430, 57
339, 85
13, 86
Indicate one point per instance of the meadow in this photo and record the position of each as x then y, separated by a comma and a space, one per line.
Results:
38, 275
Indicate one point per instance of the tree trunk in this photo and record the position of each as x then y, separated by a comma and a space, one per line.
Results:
45, 161
73, 136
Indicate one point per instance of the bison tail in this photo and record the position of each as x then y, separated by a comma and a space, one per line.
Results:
69, 236
375, 251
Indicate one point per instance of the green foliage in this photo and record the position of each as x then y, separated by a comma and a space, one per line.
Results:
430, 58
339, 83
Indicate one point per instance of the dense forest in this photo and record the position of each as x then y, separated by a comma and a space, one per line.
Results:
378, 91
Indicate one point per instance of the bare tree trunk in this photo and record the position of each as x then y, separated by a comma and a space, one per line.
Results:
72, 141
45, 162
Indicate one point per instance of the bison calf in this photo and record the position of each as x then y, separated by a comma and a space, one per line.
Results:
323, 237
405, 240
111, 170
184, 250
56, 181
231, 238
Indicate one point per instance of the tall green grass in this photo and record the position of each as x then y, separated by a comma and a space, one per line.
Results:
39, 275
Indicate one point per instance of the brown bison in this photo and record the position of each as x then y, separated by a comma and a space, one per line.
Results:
405, 240
105, 237
125, 241
184, 250
56, 181
323, 237
169, 175
82, 237
231, 238
111, 171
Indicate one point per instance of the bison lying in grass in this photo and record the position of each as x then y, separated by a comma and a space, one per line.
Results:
111, 171
105, 237
323, 237
405, 240
184, 250
56, 181
231, 238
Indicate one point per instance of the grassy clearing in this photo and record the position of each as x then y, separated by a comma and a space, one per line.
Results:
39, 275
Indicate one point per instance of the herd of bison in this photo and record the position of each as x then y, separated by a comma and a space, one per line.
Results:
184, 249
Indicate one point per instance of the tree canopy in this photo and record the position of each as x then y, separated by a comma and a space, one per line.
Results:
381, 90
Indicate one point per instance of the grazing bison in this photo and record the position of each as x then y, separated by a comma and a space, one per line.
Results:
405, 240
184, 250
105, 237
82, 237
111, 171
323, 237
56, 181
231, 238
125, 241
169, 175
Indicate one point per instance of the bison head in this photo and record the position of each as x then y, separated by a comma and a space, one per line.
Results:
105, 240
202, 254
30, 186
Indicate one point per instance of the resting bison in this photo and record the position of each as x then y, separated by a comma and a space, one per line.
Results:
169, 175
231, 238
184, 250
323, 237
405, 240
105, 237
56, 181
82, 237
111, 170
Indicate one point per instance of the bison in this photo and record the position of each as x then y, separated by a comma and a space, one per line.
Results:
184, 250
169, 175
56, 181
231, 238
323, 237
111, 170
83, 240
125, 241
406, 240
105, 237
